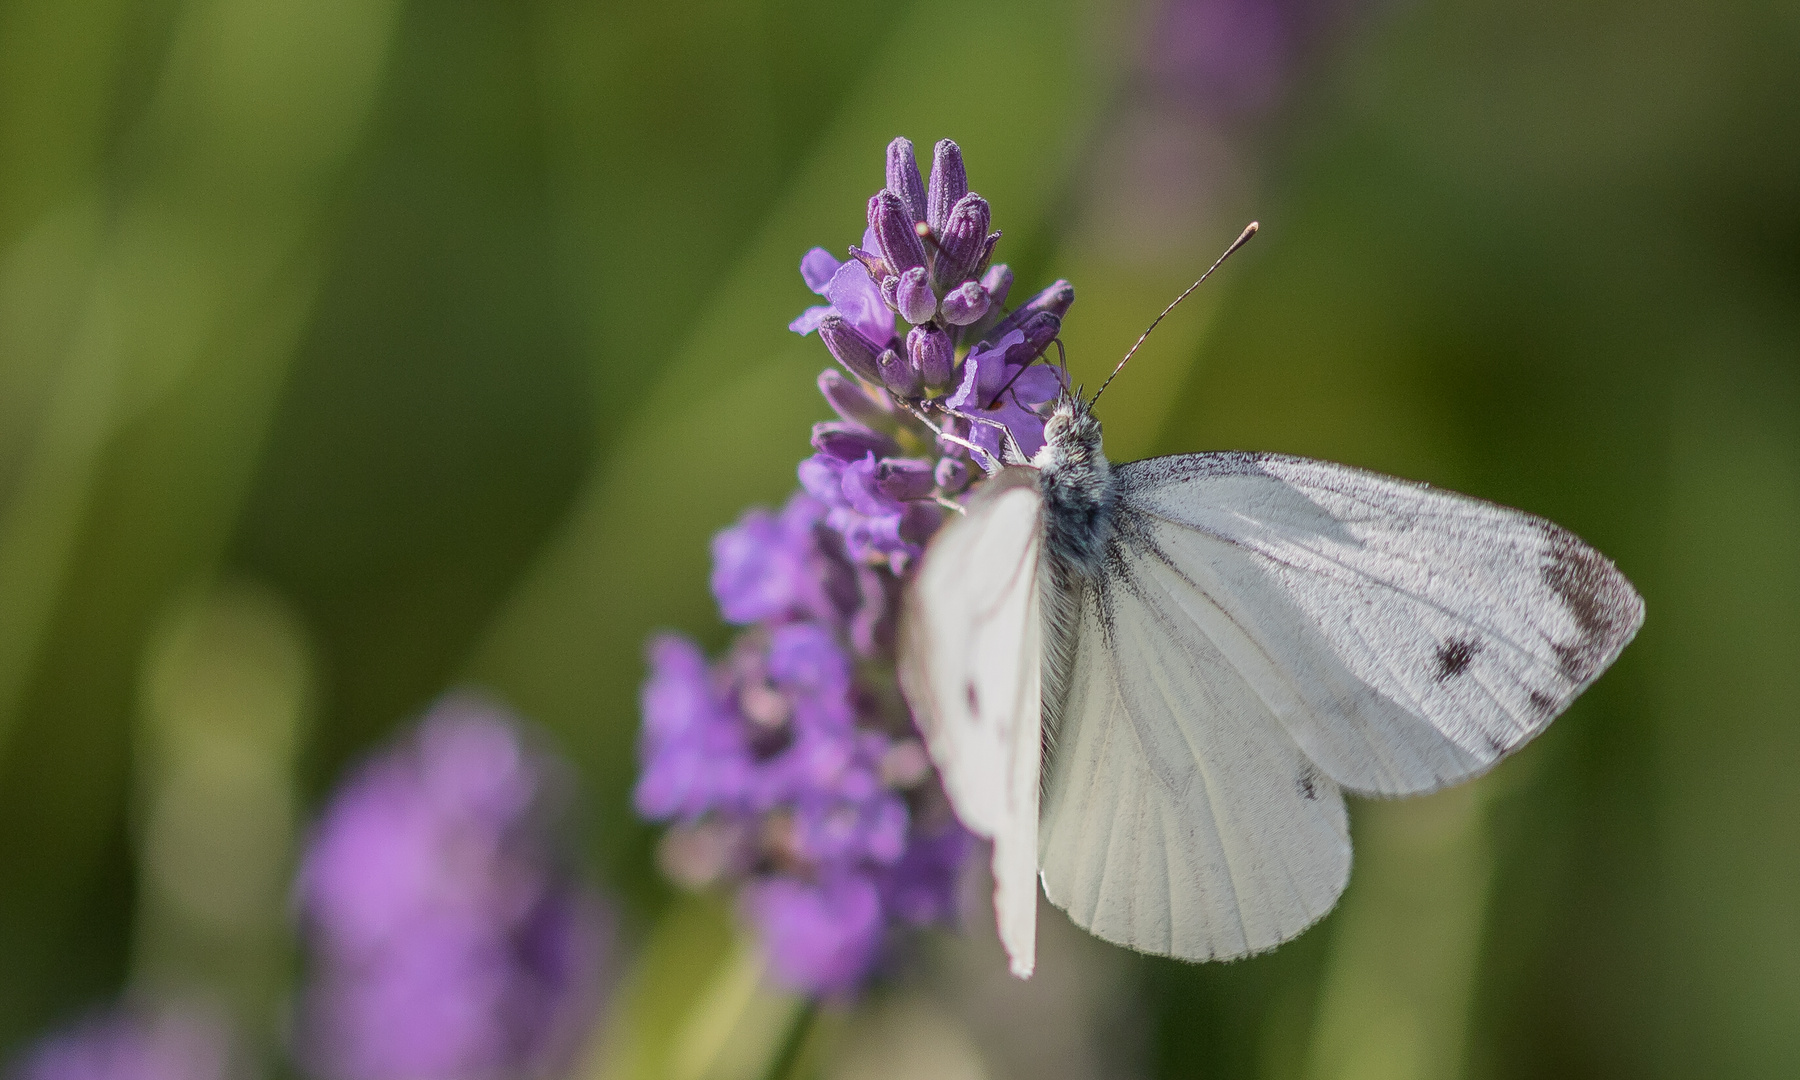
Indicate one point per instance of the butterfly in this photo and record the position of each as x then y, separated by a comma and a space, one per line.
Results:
1151, 684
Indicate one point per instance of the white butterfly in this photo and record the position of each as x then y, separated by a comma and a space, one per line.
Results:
1208, 650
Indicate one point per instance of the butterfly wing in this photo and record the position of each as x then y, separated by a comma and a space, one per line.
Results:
1180, 818
1404, 636
970, 647
1268, 629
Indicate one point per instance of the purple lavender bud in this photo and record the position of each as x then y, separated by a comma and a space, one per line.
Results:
997, 282
900, 376
913, 297
850, 348
1055, 300
949, 183
965, 304
134, 1043
856, 402
905, 479
890, 293
903, 178
901, 248
962, 243
952, 475
851, 442
933, 355
1039, 330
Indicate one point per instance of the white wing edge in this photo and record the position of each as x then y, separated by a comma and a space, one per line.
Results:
1009, 817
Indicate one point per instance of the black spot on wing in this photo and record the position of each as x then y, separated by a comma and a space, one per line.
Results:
1543, 703
1453, 657
1308, 785
974, 700
1603, 604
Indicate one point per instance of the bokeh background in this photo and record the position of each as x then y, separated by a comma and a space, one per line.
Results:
355, 349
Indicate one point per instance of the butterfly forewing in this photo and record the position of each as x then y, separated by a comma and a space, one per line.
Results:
1405, 637
971, 638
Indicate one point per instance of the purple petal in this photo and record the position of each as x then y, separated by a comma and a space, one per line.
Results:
862, 493
810, 319
822, 475
984, 373
857, 298
1037, 384
816, 268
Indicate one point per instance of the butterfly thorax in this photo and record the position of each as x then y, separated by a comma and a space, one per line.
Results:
1077, 487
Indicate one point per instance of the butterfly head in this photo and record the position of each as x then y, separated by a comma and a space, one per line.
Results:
1072, 431
1076, 483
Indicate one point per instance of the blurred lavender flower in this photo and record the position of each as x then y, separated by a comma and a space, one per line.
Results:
789, 768
134, 1042
781, 771
449, 940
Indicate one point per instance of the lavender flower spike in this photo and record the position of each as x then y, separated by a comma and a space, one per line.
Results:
788, 770
449, 939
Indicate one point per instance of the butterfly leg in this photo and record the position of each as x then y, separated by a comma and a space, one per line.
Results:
1009, 446
982, 457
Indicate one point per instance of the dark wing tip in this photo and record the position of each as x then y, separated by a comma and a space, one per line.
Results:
1606, 609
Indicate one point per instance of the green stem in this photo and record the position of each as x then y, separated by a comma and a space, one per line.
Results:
787, 1063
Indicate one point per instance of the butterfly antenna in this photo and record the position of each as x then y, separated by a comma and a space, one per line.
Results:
1243, 238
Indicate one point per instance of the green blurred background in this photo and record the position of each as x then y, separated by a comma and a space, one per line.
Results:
353, 349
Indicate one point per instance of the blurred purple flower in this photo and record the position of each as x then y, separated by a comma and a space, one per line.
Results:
449, 939
1232, 54
776, 769
134, 1042
823, 938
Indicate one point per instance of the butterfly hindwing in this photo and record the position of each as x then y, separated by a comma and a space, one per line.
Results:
1180, 819
971, 638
